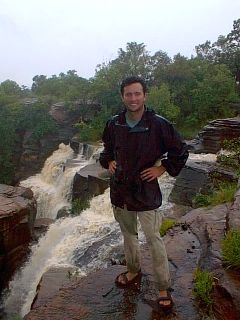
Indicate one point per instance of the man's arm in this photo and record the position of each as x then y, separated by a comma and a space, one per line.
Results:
176, 149
153, 172
107, 155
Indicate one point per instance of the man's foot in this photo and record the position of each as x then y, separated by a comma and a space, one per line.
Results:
165, 300
126, 278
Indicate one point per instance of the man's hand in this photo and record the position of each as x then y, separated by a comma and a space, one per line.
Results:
112, 165
152, 173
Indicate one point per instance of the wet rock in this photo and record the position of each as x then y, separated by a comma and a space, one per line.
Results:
50, 283
198, 177
194, 178
98, 298
209, 225
223, 305
63, 212
90, 181
41, 226
17, 215
233, 219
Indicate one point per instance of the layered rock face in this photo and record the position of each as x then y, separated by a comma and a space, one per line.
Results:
210, 138
212, 135
17, 215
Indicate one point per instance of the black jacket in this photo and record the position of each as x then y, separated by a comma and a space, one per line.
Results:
138, 148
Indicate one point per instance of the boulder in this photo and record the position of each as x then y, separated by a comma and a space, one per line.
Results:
198, 177
17, 216
194, 178
90, 181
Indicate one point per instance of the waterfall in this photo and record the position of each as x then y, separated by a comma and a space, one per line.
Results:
52, 187
67, 241
57, 248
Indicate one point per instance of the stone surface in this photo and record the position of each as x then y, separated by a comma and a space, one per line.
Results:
210, 138
198, 177
234, 213
41, 226
194, 178
17, 215
89, 181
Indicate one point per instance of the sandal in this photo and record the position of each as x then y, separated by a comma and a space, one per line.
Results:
125, 282
165, 307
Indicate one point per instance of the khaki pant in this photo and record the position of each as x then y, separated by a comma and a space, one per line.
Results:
150, 222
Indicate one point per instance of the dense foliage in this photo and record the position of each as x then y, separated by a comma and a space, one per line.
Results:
189, 92
17, 116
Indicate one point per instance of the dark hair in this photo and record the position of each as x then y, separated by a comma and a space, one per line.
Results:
131, 80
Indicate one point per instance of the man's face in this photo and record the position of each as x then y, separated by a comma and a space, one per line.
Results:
133, 97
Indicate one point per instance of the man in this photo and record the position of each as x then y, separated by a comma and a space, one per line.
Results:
133, 141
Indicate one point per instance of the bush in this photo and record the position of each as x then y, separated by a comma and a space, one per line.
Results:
92, 132
79, 205
203, 286
232, 159
166, 225
201, 200
231, 249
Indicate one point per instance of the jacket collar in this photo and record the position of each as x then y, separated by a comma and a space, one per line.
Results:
145, 117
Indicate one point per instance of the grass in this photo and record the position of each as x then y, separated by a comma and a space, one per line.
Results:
203, 286
225, 193
231, 249
166, 225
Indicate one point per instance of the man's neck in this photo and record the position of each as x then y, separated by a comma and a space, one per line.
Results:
135, 116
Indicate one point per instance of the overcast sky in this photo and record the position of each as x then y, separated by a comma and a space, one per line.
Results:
52, 36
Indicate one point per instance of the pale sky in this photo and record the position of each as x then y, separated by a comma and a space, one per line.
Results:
52, 36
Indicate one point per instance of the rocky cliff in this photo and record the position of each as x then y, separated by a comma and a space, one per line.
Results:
31, 153
17, 215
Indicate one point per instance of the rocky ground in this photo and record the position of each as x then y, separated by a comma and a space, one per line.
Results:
194, 242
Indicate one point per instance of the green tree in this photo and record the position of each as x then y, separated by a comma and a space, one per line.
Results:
213, 95
7, 139
161, 101
159, 64
135, 60
225, 50
10, 88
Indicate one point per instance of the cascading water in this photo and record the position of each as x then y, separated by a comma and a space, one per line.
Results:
67, 241
52, 187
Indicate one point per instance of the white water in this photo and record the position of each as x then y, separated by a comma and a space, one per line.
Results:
52, 187
68, 236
